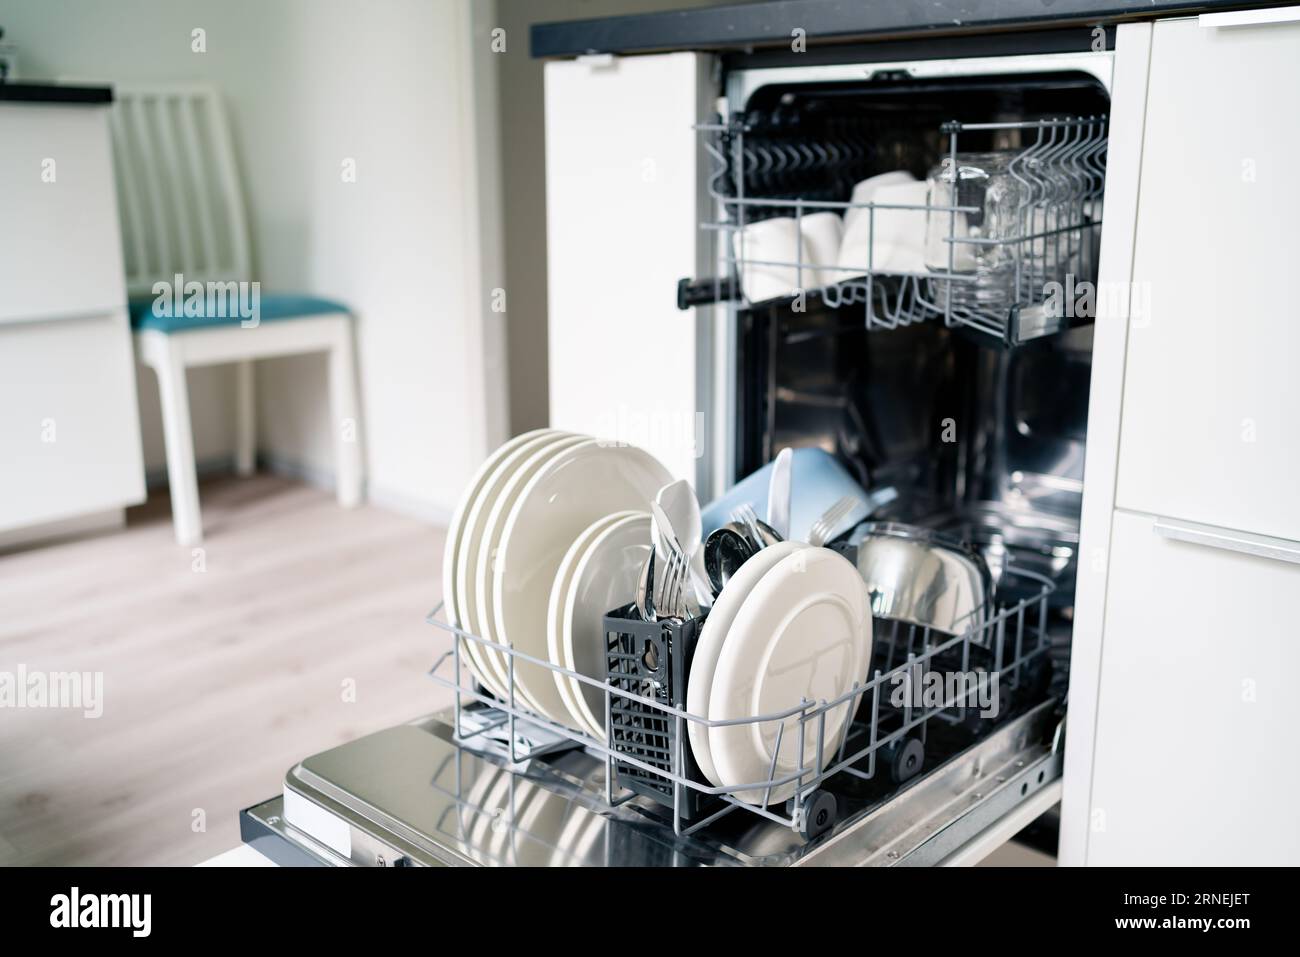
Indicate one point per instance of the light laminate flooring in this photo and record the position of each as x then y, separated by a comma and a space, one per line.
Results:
304, 630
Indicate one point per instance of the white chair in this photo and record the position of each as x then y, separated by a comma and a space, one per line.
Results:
183, 216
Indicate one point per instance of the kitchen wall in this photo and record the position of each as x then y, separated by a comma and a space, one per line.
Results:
311, 85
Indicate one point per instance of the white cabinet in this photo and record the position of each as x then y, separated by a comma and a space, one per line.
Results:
1210, 430
60, 253
68, 420
1193, 755
622, 206
1181, 710
69, 423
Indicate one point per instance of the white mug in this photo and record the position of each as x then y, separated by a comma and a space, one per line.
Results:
760, 245
822, 234
865, 191
894, 239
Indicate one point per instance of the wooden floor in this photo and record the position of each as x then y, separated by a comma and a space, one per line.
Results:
215, 681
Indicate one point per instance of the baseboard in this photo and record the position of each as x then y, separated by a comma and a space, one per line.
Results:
385, 498
217, 465
312, 475
322, 478
403, 504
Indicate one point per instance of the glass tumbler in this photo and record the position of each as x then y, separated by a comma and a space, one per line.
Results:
984, 271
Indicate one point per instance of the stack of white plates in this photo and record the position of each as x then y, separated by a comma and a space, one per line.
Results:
792, 625
532, 503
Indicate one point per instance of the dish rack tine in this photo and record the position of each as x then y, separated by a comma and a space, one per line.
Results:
771, 768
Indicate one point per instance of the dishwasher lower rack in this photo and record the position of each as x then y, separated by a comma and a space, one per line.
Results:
923, 685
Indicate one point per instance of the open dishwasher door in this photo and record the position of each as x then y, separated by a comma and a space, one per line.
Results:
411, 796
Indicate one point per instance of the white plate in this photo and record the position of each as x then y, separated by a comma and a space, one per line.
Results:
559, 589
568, 493
708, 647
457, 525
804, 632
468, 598
456, 528
514, 478
604, 577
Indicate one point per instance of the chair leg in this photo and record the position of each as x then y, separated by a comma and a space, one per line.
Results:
245, 419
174, 395
345, 413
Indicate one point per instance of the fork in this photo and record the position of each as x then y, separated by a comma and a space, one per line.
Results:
688, 603
672, 593
760, 533
822, 529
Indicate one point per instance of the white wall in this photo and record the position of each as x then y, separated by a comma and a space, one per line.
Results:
308, 84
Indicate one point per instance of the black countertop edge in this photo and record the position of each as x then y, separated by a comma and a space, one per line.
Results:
54, 93
769, 24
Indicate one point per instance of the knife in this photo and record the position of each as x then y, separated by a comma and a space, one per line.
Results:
778, 493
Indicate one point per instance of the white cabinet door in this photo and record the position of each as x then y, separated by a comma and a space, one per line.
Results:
69, 426
1210, 427
1194, 759
622, 207
60, 248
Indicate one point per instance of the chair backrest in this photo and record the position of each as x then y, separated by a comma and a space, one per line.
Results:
178, 188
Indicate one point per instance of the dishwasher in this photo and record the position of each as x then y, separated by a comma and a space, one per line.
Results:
959, 379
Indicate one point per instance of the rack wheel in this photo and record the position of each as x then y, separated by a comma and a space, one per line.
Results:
973, 722
907, 760
820, 811
1038, 676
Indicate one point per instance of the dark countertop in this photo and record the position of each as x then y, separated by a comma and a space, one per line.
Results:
54, 93
769, 24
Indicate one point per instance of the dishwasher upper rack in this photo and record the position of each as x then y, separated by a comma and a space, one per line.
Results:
1060, 171
1011, 639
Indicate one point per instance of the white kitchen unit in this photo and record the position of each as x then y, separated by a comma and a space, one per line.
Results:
621, 202
1199, 653
1193, 714
69, 425
1210, 432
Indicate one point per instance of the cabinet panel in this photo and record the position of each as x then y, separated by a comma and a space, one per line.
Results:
1210, 432
1190, 764
622, 188
60, 248
69, 426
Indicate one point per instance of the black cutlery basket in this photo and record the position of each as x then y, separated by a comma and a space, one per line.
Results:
652, 659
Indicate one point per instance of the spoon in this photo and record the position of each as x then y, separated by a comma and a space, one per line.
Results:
725, 550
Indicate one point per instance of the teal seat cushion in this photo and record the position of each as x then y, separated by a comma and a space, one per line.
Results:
162, 314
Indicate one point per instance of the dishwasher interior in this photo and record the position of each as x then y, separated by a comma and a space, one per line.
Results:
981, 432
976, 415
